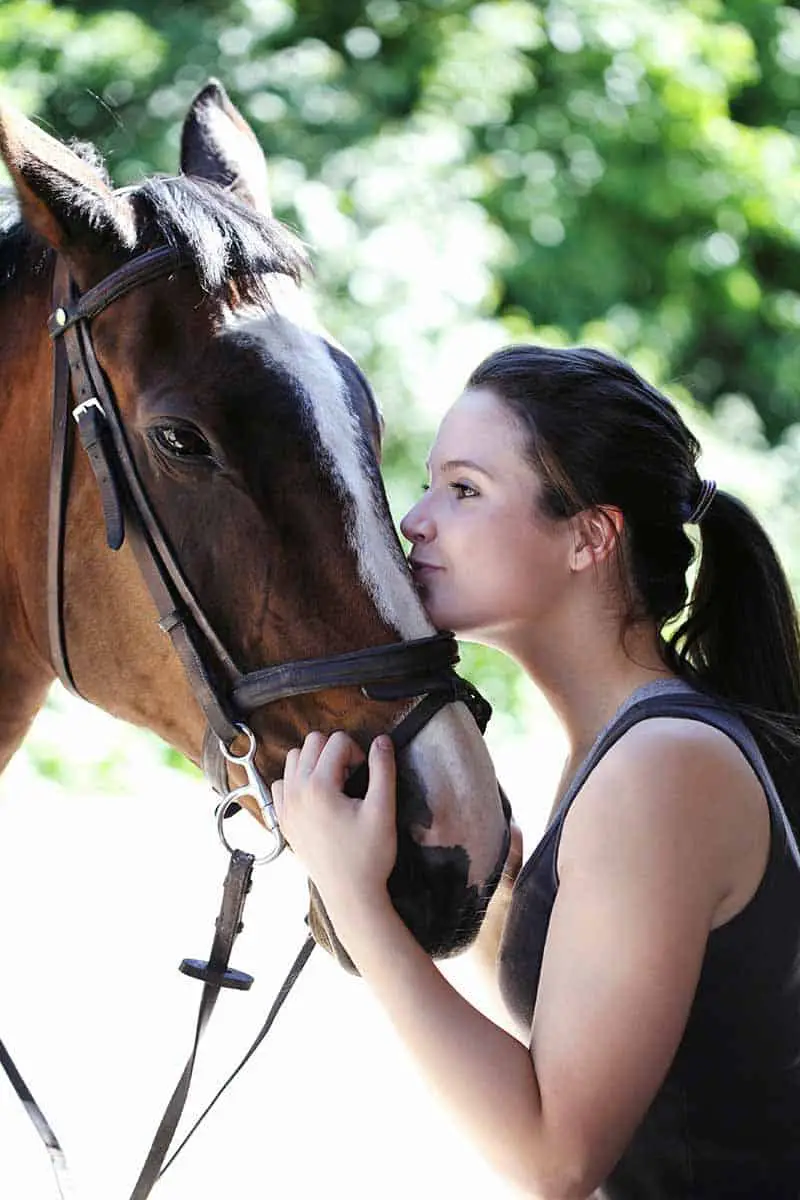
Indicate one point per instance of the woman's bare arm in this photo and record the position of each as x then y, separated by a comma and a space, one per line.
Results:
643, 871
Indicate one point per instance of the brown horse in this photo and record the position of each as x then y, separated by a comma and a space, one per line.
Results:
256, 442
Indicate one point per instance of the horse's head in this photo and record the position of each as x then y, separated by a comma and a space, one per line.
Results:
256, 439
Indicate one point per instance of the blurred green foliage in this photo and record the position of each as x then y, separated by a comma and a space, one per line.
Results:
626, 171
622, 172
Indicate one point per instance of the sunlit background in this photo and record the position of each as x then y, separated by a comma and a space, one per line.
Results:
620, 173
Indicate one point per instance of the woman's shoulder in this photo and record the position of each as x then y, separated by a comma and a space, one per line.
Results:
670, 768
678, 744
673, 790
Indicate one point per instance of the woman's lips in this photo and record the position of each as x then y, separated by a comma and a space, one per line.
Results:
421, 573
419, 567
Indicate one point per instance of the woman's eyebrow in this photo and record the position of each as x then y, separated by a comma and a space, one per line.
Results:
460, 464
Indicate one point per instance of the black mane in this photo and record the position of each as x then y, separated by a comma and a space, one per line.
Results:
229, 244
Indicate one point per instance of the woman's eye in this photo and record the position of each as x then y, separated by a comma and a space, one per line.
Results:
464, 491
182, 442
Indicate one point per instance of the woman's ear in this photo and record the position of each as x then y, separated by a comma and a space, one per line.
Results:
596, 534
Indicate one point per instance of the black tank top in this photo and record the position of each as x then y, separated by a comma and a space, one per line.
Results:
726, 1121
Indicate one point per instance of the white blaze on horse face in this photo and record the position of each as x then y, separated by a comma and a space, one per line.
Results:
292, 338
448, 755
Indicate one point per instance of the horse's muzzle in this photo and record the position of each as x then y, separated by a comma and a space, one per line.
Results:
429, 890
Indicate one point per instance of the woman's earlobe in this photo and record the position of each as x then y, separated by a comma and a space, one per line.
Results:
596, 534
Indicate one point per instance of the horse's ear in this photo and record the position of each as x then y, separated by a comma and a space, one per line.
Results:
218, 144
64, 197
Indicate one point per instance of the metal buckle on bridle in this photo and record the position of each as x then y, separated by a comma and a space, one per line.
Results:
84, 407
257, 790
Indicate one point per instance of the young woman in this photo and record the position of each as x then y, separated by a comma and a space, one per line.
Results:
651, 953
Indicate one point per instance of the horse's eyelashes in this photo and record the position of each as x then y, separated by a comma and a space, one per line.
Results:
181, 441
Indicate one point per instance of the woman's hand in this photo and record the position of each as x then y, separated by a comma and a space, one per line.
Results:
347, 846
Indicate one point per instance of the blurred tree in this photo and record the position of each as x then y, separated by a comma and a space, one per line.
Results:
636, 162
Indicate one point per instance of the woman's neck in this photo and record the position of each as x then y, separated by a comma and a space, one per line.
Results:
586, 676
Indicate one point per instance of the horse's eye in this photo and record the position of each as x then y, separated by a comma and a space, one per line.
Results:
182, 442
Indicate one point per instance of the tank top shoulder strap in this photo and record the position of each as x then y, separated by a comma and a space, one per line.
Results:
676, 699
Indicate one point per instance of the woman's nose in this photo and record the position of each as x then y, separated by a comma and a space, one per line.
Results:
416, 525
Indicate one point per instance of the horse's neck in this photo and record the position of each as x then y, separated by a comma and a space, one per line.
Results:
25, 360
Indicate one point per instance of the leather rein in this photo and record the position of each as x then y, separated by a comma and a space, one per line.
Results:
419, 669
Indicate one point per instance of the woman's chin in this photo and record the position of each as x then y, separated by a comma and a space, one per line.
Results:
442, 619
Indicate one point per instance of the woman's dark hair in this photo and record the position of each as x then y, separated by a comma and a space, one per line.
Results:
599, 434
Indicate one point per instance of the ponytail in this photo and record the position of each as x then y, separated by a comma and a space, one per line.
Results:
741, 640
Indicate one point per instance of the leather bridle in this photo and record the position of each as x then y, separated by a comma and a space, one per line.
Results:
422, 667
418, 670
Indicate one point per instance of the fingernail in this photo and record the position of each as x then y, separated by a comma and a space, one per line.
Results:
383, 743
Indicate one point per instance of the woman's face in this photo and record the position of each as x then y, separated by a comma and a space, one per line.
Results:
487, 562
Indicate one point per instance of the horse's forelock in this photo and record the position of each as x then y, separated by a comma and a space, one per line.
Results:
233, 248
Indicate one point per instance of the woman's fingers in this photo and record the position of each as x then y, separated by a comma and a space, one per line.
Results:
276, 795
337, 757
309, 753
323, 761
347, 846
290, 764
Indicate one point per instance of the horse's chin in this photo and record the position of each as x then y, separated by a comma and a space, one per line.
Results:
321, 927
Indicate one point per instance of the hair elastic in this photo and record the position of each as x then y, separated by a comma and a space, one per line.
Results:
708, 490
